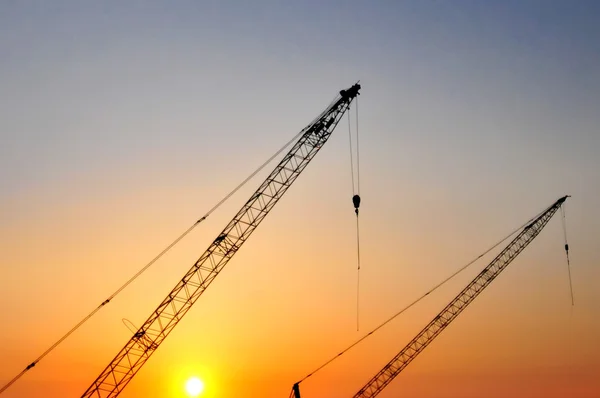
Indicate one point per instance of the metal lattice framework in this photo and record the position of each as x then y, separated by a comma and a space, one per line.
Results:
458, 304
115, 377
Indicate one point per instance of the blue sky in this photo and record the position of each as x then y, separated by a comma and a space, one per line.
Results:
523, 74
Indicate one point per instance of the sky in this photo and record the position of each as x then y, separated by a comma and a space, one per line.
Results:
122, 123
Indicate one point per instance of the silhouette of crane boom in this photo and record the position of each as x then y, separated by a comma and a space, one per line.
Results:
457, 305
115, 377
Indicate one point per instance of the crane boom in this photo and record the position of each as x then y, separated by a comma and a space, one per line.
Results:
458, 304
115, 377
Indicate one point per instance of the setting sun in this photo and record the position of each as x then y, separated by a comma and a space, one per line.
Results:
194, 386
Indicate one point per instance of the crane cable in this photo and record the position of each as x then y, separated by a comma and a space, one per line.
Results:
440, 284
570, 326
564, 225
158, 256
356, 203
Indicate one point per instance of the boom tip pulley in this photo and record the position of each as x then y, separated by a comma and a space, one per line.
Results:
351, 92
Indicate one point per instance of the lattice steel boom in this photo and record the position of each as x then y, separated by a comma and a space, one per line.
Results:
456, 306
161, 322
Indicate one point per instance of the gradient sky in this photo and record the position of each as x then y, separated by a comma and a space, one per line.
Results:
123, 122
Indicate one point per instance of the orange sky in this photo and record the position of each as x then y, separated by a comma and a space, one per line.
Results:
285, 304
124, 126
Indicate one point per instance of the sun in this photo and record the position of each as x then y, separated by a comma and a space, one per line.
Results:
194, 386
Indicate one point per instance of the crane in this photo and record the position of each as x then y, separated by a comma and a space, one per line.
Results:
385, 376
457, 305
130, 359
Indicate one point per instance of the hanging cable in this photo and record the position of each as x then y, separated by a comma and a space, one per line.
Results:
357, 151
351, 153
357, 274
564, 225
440, 284
356, 203
148, 265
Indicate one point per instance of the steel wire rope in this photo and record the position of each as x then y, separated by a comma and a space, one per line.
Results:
357, 151
162, 253
357, 223
564, 227
440, 284
356, 202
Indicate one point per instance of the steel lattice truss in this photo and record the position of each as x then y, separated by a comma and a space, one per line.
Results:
458, 304
178, 302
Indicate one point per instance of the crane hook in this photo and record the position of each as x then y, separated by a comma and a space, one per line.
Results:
356, 202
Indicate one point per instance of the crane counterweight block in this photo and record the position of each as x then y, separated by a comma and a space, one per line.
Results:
115, 377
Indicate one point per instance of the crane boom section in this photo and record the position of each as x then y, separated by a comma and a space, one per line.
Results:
458, 304
115, 377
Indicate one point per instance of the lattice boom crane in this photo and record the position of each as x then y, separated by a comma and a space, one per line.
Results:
456, 306
115, 377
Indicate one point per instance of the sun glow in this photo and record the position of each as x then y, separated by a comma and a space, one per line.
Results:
194, 386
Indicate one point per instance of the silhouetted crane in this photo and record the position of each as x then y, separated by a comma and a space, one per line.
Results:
115, 377
455, 307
